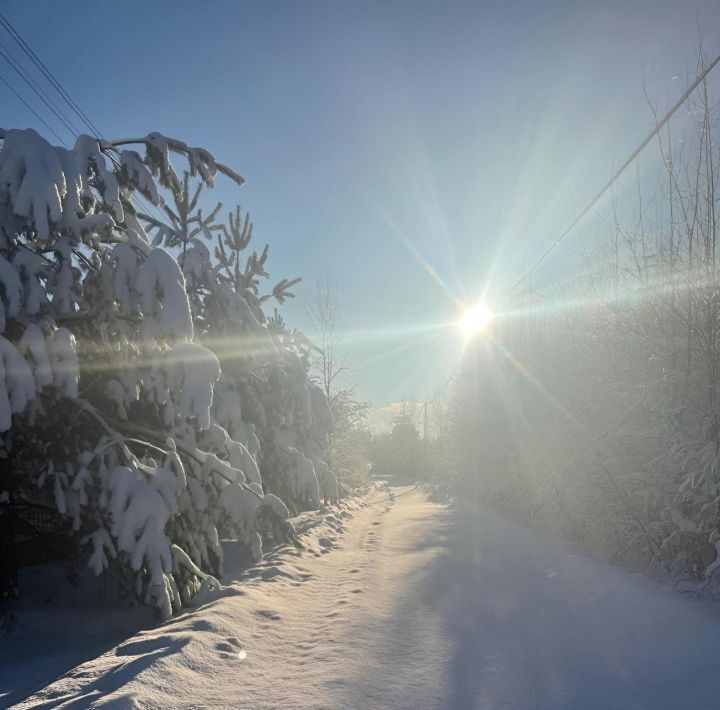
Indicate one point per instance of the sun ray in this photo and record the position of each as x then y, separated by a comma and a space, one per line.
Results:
421, 260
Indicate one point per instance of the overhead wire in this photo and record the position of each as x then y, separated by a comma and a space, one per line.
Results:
5, 54
603, 190
658, 127
137, 199
25, 47
32, 110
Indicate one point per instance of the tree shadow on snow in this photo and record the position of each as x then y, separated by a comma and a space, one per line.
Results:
505, 617
146, 652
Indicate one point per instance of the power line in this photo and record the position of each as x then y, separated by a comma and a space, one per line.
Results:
64, 94
28, 79
444, 387
437, 396
617, 173
32, 110
25, 47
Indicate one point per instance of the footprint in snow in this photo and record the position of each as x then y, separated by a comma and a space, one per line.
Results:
231, 648
203, 625
152, 644
268, 614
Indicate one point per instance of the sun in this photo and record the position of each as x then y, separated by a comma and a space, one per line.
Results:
475, 319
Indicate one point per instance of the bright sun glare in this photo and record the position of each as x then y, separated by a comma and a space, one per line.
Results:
475, 319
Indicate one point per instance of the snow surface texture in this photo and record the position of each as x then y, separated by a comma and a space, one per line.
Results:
401, 602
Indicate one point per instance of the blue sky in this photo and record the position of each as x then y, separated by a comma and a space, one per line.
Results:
412, 152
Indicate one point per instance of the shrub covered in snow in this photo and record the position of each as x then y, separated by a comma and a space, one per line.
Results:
143, 391
594, 408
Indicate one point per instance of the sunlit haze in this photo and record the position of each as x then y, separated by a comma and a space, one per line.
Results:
360, 355
410, 177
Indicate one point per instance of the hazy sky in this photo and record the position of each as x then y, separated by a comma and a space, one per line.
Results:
407, 150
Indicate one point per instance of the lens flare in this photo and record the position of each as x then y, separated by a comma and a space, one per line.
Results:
475, 319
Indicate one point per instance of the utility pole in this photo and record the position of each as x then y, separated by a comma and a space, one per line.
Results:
425, 441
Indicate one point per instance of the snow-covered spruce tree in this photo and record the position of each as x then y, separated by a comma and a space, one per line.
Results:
106, 398
277, 419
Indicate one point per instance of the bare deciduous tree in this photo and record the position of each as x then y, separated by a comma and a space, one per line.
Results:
331, 361
348, 435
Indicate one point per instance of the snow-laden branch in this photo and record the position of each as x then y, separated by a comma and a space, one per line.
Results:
201, 160
129, 292
114, 428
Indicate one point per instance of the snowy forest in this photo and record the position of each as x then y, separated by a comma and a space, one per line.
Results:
423, 415
172, 407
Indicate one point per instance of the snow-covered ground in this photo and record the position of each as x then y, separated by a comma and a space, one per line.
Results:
401, 602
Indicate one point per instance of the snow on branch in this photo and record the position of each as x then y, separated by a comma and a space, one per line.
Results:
186, 402
159, 147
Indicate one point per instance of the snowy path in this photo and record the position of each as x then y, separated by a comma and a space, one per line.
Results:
417, 605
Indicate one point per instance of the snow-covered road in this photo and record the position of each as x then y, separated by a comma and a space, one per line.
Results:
406, 603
